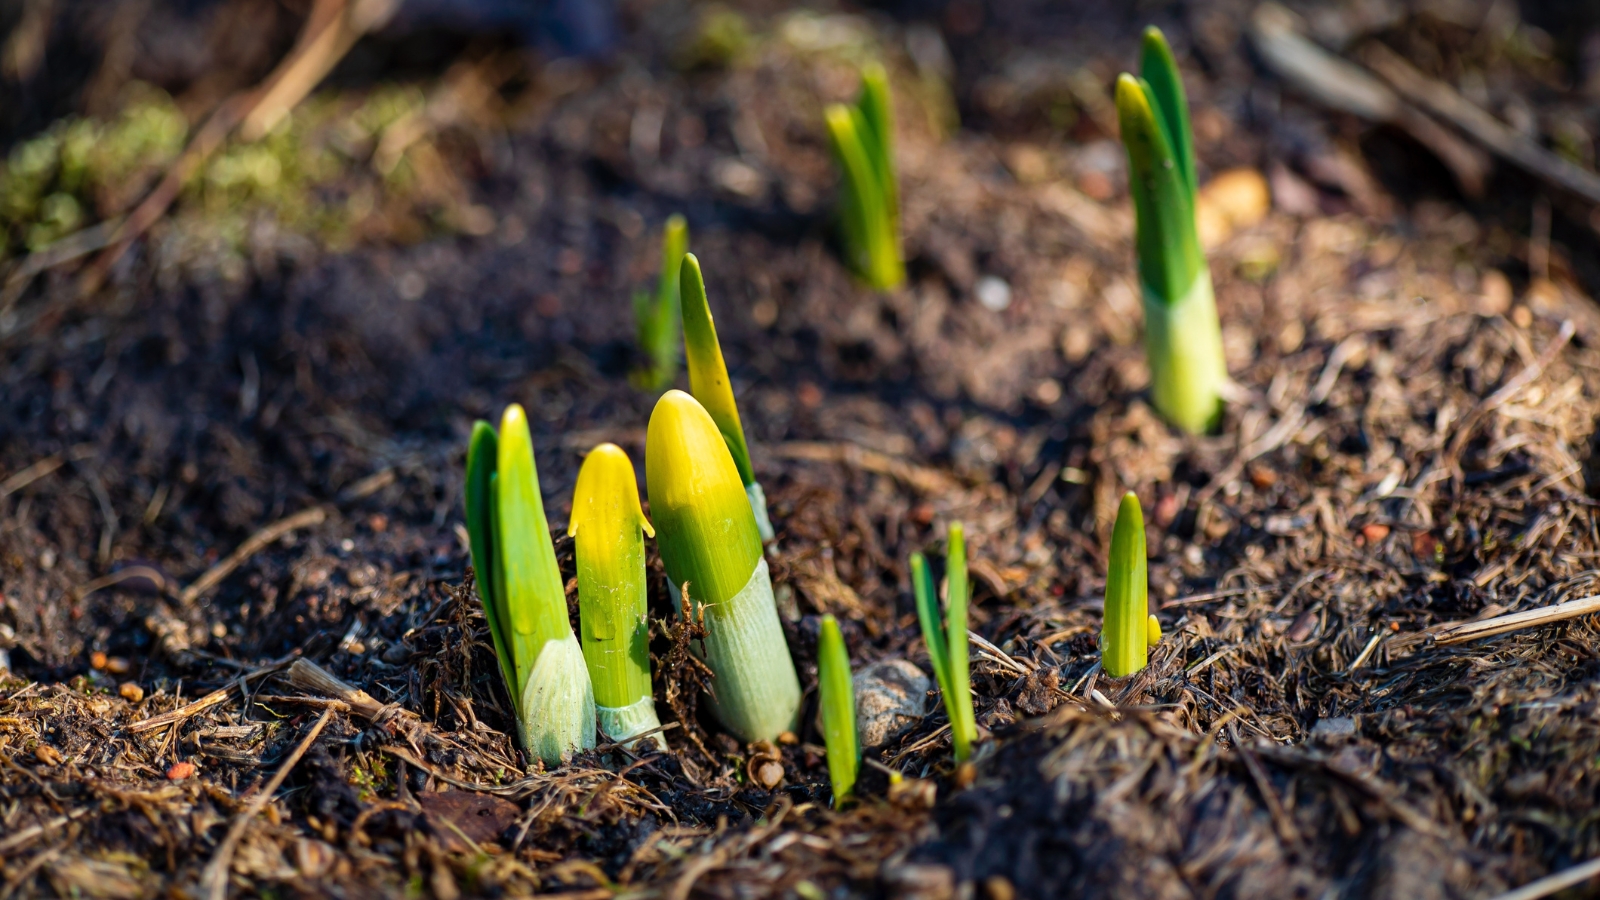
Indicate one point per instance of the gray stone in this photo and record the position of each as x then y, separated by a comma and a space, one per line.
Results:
891, 697
1334, 729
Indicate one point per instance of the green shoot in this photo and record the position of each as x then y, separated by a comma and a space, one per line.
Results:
1126, 635
837, 695
608, 529
709, 383
656, 318
710, 546
947, 644
525, 601
862, 137
1183, 337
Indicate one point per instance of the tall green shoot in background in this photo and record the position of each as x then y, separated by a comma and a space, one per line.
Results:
709, 383
946, 638
1183, 337
656, 317
836, 695
862, 136
524, 599
608, 528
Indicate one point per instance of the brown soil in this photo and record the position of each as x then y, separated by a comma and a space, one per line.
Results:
1410, 446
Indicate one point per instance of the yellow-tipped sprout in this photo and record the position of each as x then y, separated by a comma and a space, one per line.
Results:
709, 543
862, 137
1127, 630
837, 696
524, 599
656, 317
709, 383
947, 641
608, 529
1183, 338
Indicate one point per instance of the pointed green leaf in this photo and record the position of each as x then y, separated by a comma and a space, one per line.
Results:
1168, 246
963, 724
708, 374
1159, 69
837, 697
535, 597
932, 622
482, 453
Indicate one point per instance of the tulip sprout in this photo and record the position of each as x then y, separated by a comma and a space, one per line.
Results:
710, 546
656, 318
1183, 338
836, 693
709, 382
1128, 630
524, 599
869, 198
608, 529
947, 645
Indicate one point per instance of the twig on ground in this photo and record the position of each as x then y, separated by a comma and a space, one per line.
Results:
1549, 884
1462, 632
254, 544
214, 880
26, 835
1443, 101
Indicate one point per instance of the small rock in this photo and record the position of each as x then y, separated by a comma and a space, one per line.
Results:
131, 692
1374, 532
47, 755
1334, 729
927, 881
116, 665
891, 696
180, 771
994, 293
999, 887
97, 660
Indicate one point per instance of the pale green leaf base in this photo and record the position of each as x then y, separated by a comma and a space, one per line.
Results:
558, 714
620, 723
1183, 340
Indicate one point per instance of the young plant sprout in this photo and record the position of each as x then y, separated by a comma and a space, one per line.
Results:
947, 645
709, 543
837, 694
709, 383
608, 529
1128, 630
524, 599
656, 318
869, 199
1182, 336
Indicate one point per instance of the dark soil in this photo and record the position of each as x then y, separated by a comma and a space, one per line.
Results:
1299, 732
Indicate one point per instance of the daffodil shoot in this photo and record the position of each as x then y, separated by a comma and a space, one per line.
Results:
946, 637
710, 545
524, 599
656, 316
1183, 337
709, 383
862, 136
1127, 630
608, 529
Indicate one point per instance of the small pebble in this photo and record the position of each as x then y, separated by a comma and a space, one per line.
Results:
1374, 532
47, 755
769, 774
994, 293
97, 660
999, 887
1334, 728
180, 771
131, 692
116, 665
